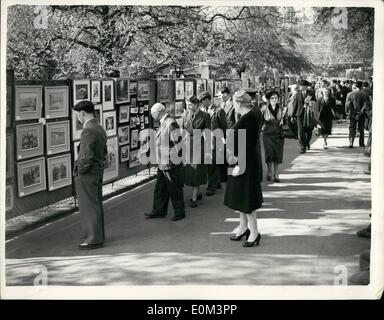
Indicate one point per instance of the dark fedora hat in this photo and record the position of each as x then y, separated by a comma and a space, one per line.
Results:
84, 105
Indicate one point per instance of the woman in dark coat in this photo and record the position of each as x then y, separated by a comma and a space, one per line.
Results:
195, 173
326, 107
243, 191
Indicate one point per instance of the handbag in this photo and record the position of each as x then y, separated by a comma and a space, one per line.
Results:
286, 131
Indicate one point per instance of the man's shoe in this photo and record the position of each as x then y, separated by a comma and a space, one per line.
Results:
362, 145
89, 246
308, 147
177, 218
151, 215
210, 193
350, 146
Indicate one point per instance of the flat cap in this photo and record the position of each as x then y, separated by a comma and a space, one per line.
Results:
84, 105
193, 99
242, 96
204, 95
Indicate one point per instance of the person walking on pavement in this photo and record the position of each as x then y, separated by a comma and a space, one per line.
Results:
218, 122
243, 190
273, 116
170, 176
326, 106
88, 172
304, 114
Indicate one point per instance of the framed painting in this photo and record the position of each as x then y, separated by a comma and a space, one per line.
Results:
123, 114
134, 121
109, 120
95, 91
134, 110
201, 86
224, 83
111, 170
99, 113
81, 91
29, 140
163, 90
180, 92
188, 89
77, 127
124, 154
123, 134
141, 110
57, 137
9, 161
210, 87
122, 90
133, 88
56, 102
134, 138
134, 159
142, 91
76, 148
31, 176
28, 102
133, 102
59, 172
146, 120
179, 108
9, 196
146, 107
108, 95
236, 85
217, 88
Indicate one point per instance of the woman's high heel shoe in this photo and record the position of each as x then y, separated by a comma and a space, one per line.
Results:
251, 244
238, 238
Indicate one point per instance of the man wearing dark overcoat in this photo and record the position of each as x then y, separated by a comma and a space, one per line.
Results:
88, 172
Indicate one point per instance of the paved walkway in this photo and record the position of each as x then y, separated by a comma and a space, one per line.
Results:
308, 225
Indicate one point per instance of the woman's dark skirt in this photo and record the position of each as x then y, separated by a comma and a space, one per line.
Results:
273, 143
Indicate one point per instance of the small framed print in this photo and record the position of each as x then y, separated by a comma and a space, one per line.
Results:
134, 139
99, 113
81, 91
28, 102
224, 83
142, 91
122, 90
57, 137
133, 88
146, 107
134, 159
56, 102
134, 110
142, 126
180, 92
29, 140
133, 102
111, 170
31, 176
96, 91
59, 172
134, 121
201, 86
141, 110
142, 118
231, 87
109, 119
163, 92
124, 154
188, 89
9, 161
123, 114
210, 87
146, 120
123, 134
217, 88
76, 148
179, 108
108, 95
77, 127
9, 196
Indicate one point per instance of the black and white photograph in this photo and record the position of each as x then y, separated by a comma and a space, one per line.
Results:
286, 204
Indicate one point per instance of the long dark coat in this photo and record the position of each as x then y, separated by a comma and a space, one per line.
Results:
324, 110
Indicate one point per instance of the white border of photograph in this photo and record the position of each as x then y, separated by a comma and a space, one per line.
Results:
110, 131
99, 108
33, 90
68, 172
179, 84
211, 87
189, 88
76, 133
124, 158
40, 186
9, 195
122, 135
33, 152
110, 104
62, 147
83, 82
200, 82
112, 174
127, 96
127, 109
134, 159
75, 150
217, 88
64, 111
97, 98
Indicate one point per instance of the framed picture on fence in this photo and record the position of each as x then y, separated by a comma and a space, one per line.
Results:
142, 91
9, 198
99, 113
188, 89
122, 90
217, 88
57, 137
96, 91
9, 157
77, 127
134, 159
111, 170
28, 102
109, 120
180, 92
163, 92
123, 134
124, 154
29, 142
210, 87
135, 138
224, 83
76, 148
133, 88
81, 91
124, 114
108, 95
59, 172
56, 102
201, 85
31, 176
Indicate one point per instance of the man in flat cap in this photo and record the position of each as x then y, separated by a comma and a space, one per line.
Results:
88, 172
218, 121
170, 175
302, 111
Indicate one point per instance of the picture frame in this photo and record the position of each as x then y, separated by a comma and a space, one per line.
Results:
224, 83
111, 170
9, 160
123, 135
179, 108
134, 159
9, 197
122, 89
56, 102
146, 107
95, 91
76, 147
142, 125
77, 127
28, 102
163, 90
124, 153
146, 120
31, 176
189, 90
109, 121
124, 114
29, 142
134, 121
134, 139
237, 85
81, 90
210, 87
59, 172
133, 88
217, 88
133, 101
99, 114
57, 134
141, 110
142, 90
179, 90
201, 86
108, 95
